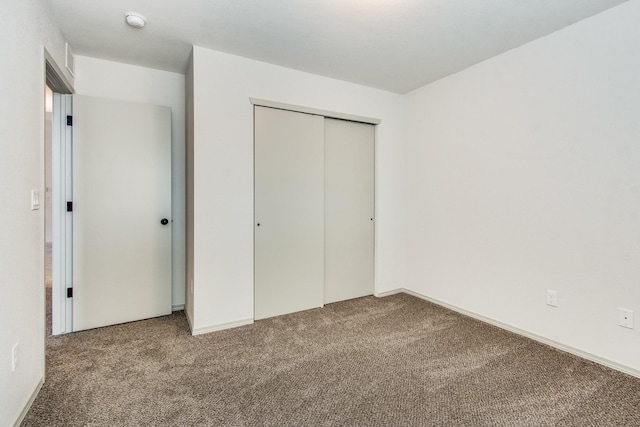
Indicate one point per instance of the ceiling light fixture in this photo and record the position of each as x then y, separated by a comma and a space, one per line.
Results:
135, 19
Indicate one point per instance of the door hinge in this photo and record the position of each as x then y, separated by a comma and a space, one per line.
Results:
69, 120
69, 206
69, 292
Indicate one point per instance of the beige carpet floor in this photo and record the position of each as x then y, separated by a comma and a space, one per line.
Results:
394, 361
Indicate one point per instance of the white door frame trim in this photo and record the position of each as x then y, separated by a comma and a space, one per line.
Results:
315, 111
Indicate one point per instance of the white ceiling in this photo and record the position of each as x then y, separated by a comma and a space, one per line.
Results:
397, 45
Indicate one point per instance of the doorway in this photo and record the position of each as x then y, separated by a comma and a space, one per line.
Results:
55, 87
48, 223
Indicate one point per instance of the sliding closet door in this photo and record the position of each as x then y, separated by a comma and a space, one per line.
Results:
289, 211
349, 208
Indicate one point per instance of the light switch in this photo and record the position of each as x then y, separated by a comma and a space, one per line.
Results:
35, 200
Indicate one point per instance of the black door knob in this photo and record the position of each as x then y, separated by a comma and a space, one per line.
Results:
164, 221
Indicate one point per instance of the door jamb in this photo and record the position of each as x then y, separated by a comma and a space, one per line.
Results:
57, 82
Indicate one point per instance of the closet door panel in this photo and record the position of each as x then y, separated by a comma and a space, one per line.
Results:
349, 210
289, 211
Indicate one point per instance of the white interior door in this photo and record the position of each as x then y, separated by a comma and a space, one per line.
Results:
349, 210
62, 226
121, 194
289, 211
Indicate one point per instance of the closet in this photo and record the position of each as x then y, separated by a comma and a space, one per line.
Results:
314, 210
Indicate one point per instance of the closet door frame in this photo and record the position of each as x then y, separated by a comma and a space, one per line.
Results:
325, 114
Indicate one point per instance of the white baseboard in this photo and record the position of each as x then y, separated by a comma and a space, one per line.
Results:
178, 307
389, 293
25, 410
220, 327
555, 344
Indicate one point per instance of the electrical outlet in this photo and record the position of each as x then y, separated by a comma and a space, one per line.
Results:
14, 356
625, 318
552, 298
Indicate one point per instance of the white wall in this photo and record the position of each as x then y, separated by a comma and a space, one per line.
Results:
25, 29
223, 174
523, 174
107, 79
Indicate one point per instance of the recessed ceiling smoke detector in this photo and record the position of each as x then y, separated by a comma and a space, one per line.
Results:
135, 20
